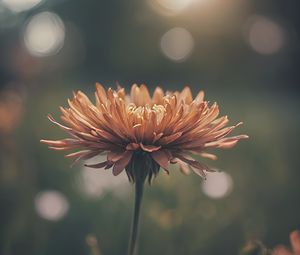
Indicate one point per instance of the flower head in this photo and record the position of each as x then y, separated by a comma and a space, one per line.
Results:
141, 133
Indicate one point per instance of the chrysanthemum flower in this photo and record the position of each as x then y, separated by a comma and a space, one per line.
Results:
141, 133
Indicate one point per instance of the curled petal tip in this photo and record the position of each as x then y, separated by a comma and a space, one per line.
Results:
208, 155
149, 148
166, 171
98, 165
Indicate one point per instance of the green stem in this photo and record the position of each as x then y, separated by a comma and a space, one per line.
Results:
139, 185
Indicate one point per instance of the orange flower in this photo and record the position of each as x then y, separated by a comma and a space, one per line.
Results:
143, 133
295, 245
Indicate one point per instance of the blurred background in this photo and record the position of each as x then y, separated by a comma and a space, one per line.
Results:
244, 54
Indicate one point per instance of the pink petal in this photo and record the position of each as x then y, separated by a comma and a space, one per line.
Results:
109, 165
196, 166
295, 241
122, 163
208, 155
183, 167
149, 148
227, 142
82, 155
161, 157
199, 172
77, 154
200, 97
98, 165
114, 156
132, 146
170, 138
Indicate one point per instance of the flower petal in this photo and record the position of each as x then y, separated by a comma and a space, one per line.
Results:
149, 148
225, 143
169, 139
295, 241
161, 157
122, 163
114, 156
208, 155
196, 166
82, 155
98, 165
132, 146
200, 97
183, 167
186, 95
199, 172
158, 96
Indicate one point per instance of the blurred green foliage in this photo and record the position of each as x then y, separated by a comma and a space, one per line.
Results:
177, 218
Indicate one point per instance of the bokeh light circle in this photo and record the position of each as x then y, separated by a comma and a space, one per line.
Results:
20, 5
265, 36
217, 185
44, 34
51, 205
95, 184
177, 44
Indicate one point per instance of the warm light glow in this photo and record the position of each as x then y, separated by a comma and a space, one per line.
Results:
265, 36
20, 5
217, 185
44, 34
95, 183
51, 205
169, 7
177, 44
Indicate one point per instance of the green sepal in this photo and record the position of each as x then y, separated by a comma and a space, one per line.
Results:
142, 166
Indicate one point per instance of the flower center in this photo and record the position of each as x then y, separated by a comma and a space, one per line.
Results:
146, 112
